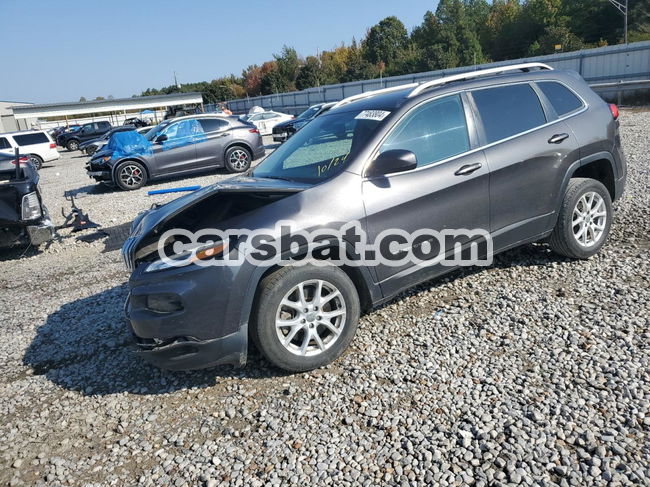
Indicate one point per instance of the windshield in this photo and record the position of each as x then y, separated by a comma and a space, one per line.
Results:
320, 150
151, 134
310, 112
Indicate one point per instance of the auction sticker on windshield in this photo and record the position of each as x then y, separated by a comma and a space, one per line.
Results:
372, 115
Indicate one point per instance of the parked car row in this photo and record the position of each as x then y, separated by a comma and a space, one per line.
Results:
180, 146
71, 140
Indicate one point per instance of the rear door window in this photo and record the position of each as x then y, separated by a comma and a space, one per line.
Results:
213, 124
30, 139
508, 110
562, 98
434, 131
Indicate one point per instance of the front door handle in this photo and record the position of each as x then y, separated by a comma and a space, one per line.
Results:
558, 138
468, 169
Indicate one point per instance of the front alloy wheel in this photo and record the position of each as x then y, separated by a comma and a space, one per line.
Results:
130, 175
238, 159
310, 318
305, 316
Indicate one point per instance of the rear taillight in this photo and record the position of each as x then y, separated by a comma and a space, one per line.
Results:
52, 145
614, 109
23, 160
254, 131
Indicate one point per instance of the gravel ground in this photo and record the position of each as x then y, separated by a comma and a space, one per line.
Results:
534, 371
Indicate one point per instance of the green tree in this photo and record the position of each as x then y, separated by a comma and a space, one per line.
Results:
309, 74
557, 35
82, 99
272, 80
385, 41
288, 64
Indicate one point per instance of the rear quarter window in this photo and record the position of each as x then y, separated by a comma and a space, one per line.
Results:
31, 139
508, 110
4, 143
561, 98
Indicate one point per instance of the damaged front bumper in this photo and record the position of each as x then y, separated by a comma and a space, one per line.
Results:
188, 353
180, 321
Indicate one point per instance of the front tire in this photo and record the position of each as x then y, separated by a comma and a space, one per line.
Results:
584, 220
72, 145
238, 159
305, 316
130, 175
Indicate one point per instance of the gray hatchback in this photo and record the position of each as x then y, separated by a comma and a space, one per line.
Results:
177, 147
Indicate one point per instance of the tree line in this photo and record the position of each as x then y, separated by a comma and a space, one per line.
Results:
458, 33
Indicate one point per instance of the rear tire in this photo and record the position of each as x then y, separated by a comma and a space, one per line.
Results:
297, 340
72, 145
91, 150
584, 220
238, 159
36, 160
130, 175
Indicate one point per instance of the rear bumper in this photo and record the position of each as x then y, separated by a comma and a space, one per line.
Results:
41, 233
52, 155
259, 152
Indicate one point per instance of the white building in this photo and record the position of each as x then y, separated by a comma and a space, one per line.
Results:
8, 123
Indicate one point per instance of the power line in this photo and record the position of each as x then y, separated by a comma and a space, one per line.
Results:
624, 10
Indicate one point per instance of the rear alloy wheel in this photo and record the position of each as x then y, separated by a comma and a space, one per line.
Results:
584, 220
36, 160
238, 159
90, 150
305, 316
130, 175
72, 145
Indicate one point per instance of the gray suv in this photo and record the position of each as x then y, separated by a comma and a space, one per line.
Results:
179, 146
527, 153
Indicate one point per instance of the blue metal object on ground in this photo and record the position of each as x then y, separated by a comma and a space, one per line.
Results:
173, 190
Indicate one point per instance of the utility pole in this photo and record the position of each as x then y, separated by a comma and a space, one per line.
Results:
622, 7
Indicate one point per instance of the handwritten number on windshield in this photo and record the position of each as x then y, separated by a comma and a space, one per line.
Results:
335, 161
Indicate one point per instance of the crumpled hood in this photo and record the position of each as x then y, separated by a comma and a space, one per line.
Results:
149, 220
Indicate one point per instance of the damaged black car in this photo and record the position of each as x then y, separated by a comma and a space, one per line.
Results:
23, 216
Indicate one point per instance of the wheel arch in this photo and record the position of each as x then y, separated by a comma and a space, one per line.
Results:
368, 291
601, 168
237, 143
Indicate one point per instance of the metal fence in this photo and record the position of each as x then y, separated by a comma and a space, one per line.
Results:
610, 64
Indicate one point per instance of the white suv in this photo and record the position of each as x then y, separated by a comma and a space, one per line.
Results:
35, 144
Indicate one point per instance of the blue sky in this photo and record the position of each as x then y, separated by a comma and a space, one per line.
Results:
60, 50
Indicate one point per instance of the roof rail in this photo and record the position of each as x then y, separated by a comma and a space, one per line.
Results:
475, 74
368, 94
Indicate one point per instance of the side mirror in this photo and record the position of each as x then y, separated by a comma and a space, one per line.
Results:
392, 161
161, 138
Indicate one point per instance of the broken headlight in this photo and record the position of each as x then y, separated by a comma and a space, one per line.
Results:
199, 252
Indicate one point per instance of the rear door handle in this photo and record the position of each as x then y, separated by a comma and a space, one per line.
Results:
558, 138
468, 169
